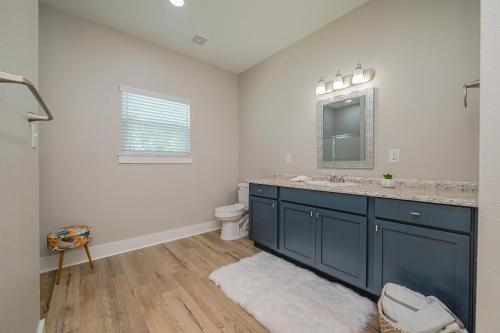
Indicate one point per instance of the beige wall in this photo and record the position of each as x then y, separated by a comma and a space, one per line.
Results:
82, 64
422, 52
19, 265
488, 293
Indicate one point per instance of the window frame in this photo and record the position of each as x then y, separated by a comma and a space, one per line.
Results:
139, 157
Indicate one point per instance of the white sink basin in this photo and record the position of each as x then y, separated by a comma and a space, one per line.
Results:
329, 184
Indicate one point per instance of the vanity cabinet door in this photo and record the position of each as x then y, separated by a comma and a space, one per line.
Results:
297, 232
342, 246
428, 261
264, 221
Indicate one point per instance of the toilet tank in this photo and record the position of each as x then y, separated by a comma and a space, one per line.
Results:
243, 194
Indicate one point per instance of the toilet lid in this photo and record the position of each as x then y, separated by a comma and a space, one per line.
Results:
231, 210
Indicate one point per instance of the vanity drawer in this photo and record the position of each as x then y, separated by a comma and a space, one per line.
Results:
266, 191
452, 218
337, 201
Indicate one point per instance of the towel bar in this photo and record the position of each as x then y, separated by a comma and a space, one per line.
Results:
17, 79
473, 84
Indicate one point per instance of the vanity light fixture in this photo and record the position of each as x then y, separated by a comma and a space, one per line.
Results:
321, 87
177, 3
358, 76
338, 81
348, 101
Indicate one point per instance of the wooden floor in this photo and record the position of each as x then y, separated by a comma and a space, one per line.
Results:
164, 288
47, 282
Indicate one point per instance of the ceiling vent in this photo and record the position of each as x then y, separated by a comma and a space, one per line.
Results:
200, 40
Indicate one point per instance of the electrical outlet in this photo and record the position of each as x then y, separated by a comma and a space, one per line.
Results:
394, 155
288, 159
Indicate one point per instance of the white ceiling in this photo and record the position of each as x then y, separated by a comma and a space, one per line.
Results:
241, 33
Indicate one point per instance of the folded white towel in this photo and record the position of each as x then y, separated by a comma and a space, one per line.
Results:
413, 312
430, 319
400, 302
300, 179
453, 328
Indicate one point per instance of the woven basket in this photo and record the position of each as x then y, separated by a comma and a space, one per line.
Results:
386, 325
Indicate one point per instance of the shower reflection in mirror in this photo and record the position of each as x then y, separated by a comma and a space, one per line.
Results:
345, 131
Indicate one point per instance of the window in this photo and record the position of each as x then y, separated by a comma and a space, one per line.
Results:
154, 125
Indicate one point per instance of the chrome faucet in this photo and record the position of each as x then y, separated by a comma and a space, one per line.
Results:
336, 179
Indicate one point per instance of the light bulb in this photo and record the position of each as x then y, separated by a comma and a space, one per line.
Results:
338, 82
177, 3
321, 87
358, 76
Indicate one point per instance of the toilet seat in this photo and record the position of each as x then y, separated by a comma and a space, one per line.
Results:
230, 210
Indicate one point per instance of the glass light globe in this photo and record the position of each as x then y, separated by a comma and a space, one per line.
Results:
358, 76
338, 82
321, 87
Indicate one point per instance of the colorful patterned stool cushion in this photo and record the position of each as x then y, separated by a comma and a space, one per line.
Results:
68, 238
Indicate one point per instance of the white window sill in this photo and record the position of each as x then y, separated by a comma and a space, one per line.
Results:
154, 159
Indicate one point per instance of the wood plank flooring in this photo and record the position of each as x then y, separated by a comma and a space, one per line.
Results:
47, 282
164, 288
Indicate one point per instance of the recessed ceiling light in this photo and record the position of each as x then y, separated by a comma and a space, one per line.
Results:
177, 3
200, 40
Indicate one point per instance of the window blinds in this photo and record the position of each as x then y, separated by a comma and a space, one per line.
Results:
154, 124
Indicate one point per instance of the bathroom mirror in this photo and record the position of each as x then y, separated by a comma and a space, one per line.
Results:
345, 131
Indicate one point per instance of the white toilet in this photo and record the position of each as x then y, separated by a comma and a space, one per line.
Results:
234, 218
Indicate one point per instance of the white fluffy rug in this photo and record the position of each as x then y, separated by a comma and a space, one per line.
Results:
286, 298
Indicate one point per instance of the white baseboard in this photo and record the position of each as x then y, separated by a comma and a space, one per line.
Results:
41, 326
75, 257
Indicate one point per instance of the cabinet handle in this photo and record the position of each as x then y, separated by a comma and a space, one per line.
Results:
376, 227
259, 190
274, 205
311, 214
415, 213
317, 215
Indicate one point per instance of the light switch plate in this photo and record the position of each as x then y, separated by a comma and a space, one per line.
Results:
288, 159
394, 155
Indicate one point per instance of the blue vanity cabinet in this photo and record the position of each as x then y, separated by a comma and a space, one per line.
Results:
263, 221
367, 242
341, 246
266, 191
444, 217
429, 261
327, 231
297, 232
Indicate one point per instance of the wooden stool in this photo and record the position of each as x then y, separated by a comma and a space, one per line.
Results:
67, 238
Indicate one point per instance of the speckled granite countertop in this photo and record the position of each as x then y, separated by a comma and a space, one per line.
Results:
439, 192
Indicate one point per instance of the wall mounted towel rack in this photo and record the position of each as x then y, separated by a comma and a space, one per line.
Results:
473, 84
17, 79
